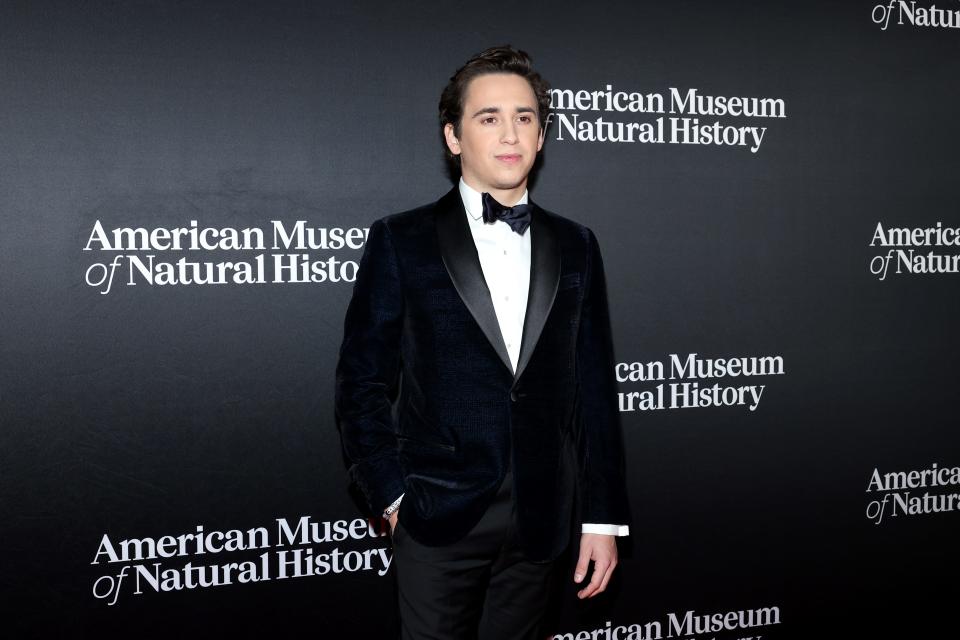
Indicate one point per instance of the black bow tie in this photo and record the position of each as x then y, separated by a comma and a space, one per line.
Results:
517, 216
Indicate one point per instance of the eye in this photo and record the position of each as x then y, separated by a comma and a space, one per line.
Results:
489, 120
525, 119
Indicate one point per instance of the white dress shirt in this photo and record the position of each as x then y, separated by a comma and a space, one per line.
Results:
505, 261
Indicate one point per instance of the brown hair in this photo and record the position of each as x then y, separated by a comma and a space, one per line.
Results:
502, 59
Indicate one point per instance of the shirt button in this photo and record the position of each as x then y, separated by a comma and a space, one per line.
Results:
506, 297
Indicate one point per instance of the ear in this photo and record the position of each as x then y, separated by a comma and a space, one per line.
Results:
452, 143
540, 139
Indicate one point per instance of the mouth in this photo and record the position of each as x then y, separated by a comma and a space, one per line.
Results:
509, 158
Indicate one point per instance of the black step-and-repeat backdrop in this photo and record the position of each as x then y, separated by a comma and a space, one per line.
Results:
185, 191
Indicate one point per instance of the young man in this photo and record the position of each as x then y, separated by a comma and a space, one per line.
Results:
475, 389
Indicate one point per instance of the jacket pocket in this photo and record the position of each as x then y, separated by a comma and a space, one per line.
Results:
406, 441
412, 417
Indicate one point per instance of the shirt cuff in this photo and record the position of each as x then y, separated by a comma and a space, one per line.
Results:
606, 529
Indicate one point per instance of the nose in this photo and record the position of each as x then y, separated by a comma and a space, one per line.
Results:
509, 135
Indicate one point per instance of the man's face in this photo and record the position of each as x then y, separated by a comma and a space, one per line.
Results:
500, 135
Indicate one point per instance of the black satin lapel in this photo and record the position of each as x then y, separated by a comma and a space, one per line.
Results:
463, 264
544, 280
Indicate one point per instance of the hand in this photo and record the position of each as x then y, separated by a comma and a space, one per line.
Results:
602, 549
393, 521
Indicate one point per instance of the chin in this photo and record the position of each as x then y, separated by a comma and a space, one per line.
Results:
506, 186
514, 179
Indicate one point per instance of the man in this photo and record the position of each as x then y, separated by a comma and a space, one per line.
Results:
475, 388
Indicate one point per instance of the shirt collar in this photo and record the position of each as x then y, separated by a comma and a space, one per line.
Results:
473, 200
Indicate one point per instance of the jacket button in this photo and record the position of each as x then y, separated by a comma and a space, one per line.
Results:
513, 396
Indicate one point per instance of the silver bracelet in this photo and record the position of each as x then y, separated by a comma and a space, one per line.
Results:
393, 507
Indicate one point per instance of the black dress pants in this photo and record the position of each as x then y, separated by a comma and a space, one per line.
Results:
479, 588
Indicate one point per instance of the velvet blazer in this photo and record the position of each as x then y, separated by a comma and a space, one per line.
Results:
428, 404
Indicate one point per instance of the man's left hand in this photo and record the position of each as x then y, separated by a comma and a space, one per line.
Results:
602, 549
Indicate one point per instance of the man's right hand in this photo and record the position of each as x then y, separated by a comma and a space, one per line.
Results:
393, 520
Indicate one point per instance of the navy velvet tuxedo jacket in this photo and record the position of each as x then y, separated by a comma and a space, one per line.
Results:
427, 401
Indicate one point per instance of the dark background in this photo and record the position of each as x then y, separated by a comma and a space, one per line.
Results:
151, 410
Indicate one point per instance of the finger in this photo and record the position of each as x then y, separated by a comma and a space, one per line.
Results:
606, 577
599, 569
591, 589
583, 563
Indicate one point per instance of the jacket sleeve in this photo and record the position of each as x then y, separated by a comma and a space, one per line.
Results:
368, 372
598, 439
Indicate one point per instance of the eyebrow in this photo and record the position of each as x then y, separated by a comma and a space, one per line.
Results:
497, 110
